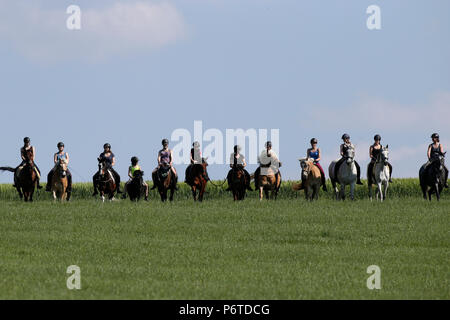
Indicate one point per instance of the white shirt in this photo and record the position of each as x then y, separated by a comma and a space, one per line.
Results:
269, 158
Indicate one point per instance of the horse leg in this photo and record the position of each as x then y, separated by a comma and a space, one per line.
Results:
437, 191
54, 195
194, 192
260, 193
352, 191
202, 191
342, 193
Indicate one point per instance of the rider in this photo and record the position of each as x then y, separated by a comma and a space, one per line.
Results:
238, 159
108, 157
131, 169
434, 150
23, 154
315, 153
344, 147
60, 155
196, 158
374, 152
267, 159
165, 159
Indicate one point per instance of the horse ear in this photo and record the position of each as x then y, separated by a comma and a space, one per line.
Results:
387, 146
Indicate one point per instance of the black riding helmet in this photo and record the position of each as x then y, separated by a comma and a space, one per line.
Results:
435, 136
345, 136
165, 142
313, 141
268, 144
106, 145
377, 137
26, 140
134, 160
60, 144
196, 144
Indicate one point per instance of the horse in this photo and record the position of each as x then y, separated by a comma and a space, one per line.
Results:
380, 174
196, 178
311, 178
27, 177
164, 179
135, 187
346, 175
238, 182
59, 181
432, 177
106, 182
269, 181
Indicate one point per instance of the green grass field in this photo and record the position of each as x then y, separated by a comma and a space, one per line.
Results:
219, 249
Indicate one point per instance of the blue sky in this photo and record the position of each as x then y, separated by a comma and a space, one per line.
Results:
138, 70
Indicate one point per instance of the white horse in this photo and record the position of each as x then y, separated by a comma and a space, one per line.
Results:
381, 174
346, 176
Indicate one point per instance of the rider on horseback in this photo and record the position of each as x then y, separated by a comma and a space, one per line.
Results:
268, 159
131, 170
315, 153
165, 159
196, 158
344, 147
58, 156
374, 152
238, 159
436, 149
110, 160
23, 154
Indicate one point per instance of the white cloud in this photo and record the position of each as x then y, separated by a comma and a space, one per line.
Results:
121, 28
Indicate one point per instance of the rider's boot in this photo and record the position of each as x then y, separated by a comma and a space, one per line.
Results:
69, 193
39, 185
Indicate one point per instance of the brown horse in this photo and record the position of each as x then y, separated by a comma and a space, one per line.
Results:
311, 179
196, 178
27, 177
59, 181
238, 182
164, 179
106, 183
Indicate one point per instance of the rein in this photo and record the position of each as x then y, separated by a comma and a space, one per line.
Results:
220, 185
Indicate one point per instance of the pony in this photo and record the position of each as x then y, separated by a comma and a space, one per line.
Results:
25, 177
238, 182
311, 178
135, 187
346, 175
106, 183
59, 181
164, 179
380, 174
269, 181
196, 179
432, 177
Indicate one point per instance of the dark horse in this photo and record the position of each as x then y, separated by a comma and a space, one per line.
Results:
164, 179
135, 187
238, 182
27, 178
432, 177
196, 177
106, 184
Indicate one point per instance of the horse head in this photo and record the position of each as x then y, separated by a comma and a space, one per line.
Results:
384, 155
102, 167
349, 155
305, 164
62, 167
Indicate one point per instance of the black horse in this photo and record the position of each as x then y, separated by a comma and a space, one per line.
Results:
238, 182
164, 179
135, 187
432, 177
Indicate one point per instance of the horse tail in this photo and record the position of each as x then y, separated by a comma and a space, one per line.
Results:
8, 169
